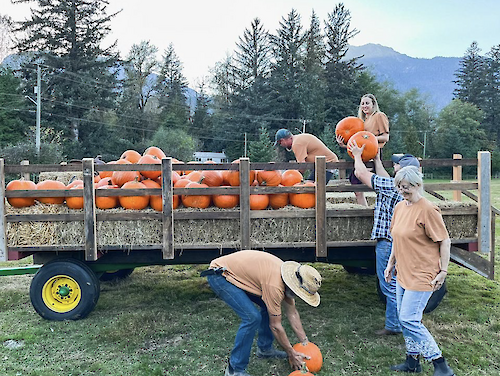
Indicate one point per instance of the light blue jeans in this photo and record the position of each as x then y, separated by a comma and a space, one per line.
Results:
382, 252
252, 320
418, 340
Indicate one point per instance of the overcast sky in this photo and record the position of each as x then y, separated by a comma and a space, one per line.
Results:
204, 32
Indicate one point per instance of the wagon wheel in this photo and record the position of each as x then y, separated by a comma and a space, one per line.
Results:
115, 275
64, 290
435, 299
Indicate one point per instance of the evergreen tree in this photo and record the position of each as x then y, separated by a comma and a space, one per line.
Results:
171, 89
492, 94
289, 53
263, 149
202, 121
470, 77
13, 111
343, 90
79, 75
137, 106
313, 79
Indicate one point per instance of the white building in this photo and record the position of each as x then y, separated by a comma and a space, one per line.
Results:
203, 156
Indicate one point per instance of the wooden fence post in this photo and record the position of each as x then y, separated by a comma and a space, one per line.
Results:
484, 200
89, 221
320, 171
25, 175
457, 177
3, 223
342, 172
167, 212
245, 202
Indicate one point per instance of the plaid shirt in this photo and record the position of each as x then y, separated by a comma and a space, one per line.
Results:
387, 198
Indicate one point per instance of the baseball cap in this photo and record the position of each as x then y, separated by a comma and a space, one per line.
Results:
405, 160
280, 134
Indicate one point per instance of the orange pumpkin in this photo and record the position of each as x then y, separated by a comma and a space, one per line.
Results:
150, 159
155, 151
269, 178
131, 155
133, 202
106, 174
196, 176
72, 183
291, 177
259, 202
233, 176
75, 202
212, 178
17, 185
51, 185
119, 178
371, 145
106, 202
226, 201
349, 126
103, 182
225, 177
196, 201
182, 182
303, 200
316, 362
302, 372
189, 171
176, 161
155, 201
278, 200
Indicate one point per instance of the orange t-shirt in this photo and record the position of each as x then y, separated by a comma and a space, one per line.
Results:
256, 272
377, 124
416, 230
307, 147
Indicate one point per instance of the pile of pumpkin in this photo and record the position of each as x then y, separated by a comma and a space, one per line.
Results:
180, 179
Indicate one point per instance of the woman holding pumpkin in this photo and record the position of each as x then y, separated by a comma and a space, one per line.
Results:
376, 122
420, 255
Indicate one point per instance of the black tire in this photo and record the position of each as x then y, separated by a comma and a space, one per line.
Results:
117, 275
432, 304
365, 270
65, 289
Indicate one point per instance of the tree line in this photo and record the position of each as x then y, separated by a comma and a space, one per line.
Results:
96, 102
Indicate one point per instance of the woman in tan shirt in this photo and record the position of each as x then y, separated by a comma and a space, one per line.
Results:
420, 255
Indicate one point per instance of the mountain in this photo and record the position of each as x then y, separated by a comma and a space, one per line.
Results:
433, 77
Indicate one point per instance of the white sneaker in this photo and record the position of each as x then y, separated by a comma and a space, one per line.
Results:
234, 373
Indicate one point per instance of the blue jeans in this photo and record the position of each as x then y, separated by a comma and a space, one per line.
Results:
382, 252
329, 175
418, 340
252, 320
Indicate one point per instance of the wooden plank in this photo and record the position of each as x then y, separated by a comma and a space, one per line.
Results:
320, 172
62, 217
25, 175
167, 212
484, 213
457, 178
3, 223
245, 203
435, 194
471, 261
89, 222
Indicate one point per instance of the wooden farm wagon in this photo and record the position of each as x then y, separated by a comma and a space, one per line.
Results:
72, 249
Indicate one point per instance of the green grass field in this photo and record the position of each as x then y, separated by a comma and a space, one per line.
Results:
165, 320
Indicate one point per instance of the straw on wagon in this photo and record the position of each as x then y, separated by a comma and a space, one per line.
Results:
208, 231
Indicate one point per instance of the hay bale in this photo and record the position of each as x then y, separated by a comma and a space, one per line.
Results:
210, 232
63, 177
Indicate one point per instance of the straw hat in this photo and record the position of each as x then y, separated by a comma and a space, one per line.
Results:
303, 280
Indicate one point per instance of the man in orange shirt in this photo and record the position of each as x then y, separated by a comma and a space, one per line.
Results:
249, 279
306, 148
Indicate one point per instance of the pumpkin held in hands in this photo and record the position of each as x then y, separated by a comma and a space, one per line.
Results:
310, 349
371, 145
348, 127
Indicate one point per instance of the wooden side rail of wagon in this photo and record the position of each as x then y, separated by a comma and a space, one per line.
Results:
321, 214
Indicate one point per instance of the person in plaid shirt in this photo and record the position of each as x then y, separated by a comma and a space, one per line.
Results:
387, 198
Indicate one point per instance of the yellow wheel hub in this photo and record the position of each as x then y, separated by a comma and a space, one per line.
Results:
61, 293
